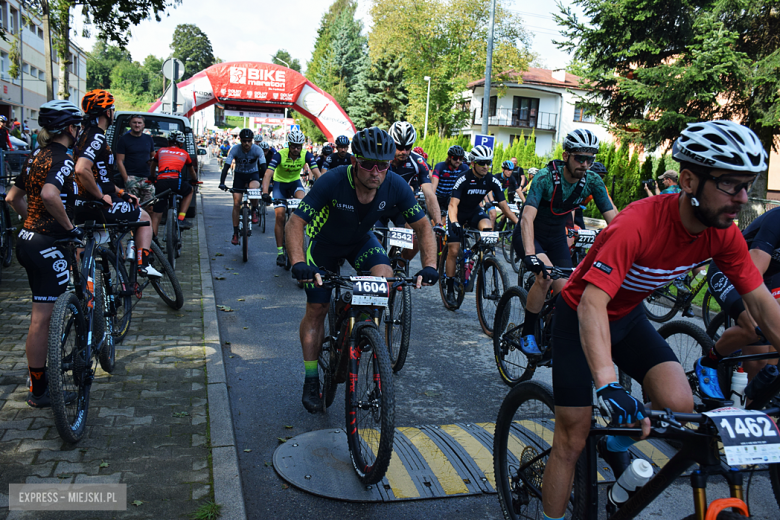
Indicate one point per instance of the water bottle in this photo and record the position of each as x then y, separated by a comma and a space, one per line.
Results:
738, 383
467, 266
762, 381
634, 477
130, 249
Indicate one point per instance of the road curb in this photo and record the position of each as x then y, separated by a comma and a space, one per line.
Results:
228, 491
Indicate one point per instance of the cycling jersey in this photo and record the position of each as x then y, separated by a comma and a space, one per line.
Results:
223, 150
289, 170
764, 234
171, 162
414, 171
336, 217
629, 264
92, 145
51, 165
334, 161
447, 177
246, 162
320, 161
471, 190
509, 185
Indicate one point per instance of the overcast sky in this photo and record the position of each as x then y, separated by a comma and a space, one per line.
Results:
253, 31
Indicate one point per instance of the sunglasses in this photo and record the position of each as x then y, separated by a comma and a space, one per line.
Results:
584, 159
730, 185
403, 148
368, 165
456, 159
483, 163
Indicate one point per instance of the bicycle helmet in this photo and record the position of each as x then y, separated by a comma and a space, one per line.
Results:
581, 140
176, 137
533, 171
342, 140
296, 137
97, 102
327, 150
456, 151
373, 144
403, 133
507, 165
57, 115
246, 134
258, 138
599, 168
482, 153
418, 150
264, 145
3, 119
721, 145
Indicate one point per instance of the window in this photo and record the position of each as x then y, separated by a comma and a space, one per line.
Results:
581, 116
34, 115
14, 19
33, 72
493, 104
525, 111
4, 65
40, 33
41, 75
25, 68
513, 138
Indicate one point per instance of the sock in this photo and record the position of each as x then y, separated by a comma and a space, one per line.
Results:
181, 216
619, 443
552, 518
38, 380
714, 355
235, 230
450, 285
530, 322
280, 250
311, 369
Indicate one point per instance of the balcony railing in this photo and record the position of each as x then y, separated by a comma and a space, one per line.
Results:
518, 118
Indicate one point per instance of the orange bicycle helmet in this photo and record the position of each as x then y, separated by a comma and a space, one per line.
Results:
97, 102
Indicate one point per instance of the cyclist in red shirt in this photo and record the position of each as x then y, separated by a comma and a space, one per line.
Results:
599, 317
170, 163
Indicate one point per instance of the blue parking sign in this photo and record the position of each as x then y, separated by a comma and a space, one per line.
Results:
484, 140
295, 127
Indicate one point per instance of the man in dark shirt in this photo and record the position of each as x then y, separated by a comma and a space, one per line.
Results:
133, 153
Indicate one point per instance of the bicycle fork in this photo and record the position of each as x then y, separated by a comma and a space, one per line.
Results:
699, 486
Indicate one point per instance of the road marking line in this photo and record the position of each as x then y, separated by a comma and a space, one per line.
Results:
482, 456
449, 479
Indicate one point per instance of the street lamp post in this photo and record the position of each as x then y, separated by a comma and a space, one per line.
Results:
488, 70
427, 102
288, 66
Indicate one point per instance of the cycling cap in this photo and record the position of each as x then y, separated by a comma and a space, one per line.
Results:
403, 133
296, 137
264, 145
342, 140
508, 165
373, 144
482, 153
533, 171
327, 150
721, 145
456, 151
258, 138
97, 102
55, 116
246, 134
581, 140
599, 168
176, 137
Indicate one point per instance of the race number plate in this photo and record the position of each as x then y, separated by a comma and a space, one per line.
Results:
748, 436
400, 237
489, 237
293, 203
513, 208
585, 238
370, 290
254, 194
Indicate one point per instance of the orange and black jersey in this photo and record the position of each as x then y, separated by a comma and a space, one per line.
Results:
50, 165
92, 145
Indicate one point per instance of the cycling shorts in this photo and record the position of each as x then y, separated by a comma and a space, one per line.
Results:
242, 180
178, 186
466, 221
444, 204
47, 265
120, 211
286, 190
362, 256
636, 348
554, 246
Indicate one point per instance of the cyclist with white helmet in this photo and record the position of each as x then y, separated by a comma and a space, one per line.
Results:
285, 170
599, 317
340, 158
465, 210
244, 158
540, 239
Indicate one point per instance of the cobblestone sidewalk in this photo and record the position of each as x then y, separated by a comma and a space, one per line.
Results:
147, 425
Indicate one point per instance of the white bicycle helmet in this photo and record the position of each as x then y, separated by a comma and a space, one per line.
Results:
296, 137
176, 136
721, 145
481, 153
581, 140
258, 138
403, 133
533, 171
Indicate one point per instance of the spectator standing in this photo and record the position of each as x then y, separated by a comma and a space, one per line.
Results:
518, 174
134, 152
669, 181
34, 139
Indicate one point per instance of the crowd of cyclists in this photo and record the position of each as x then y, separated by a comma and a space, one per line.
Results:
376, 176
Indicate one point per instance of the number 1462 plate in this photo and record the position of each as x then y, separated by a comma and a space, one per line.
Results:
748, 436
370, 290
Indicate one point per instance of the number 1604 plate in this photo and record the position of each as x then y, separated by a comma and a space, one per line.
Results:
370, 290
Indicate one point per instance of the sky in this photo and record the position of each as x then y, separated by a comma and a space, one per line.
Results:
253, 31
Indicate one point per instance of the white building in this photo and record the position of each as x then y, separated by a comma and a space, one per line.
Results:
538, 100
21, 98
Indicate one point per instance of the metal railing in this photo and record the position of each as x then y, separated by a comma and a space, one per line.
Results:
519, 118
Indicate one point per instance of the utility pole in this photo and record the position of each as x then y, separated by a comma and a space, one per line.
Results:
427, 102
488, 69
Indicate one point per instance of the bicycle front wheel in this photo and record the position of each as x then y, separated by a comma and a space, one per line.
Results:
521, 447
460, 290
170, 237
491, 284
261, 211
68, 367
245, 223
370, 407
328, 360
123, 293
103, 329
661, 306
689, 342
7, 239
168, 286
709, 308
513, 366
398, 326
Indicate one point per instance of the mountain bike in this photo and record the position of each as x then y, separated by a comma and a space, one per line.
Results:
245, 218
664, 303
506, 225
173, 229
522, 445
476, 266
6, 229
353, 352
290, 206
581, 241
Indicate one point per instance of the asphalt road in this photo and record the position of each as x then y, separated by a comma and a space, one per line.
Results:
450, 376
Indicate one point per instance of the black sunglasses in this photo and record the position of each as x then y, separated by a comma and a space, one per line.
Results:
403, 148
730, 185
369, 165
483, 163
584, 159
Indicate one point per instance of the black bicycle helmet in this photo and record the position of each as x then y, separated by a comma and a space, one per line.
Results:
57, 115
327, 150
599, 168
456, 151
342, 140
246, 134
507, 165
373, 144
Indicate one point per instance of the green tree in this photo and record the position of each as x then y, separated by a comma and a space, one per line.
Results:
101, 61
193, 48
379, 97
152, 66
282, 57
